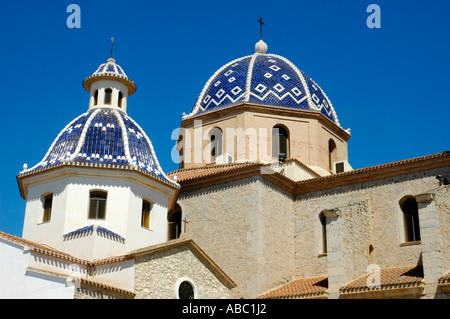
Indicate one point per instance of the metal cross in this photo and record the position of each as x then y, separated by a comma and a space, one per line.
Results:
185, 222
112, 45
261, 24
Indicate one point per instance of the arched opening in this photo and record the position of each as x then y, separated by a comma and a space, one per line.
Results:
96, 97
280, 143
108, 96
186, 289
145, 215
97, 204
411, 219
48, 203
331, 154
215, 138
174, 223
323, 223
120, 98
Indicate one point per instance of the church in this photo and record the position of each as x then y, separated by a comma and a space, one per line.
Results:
265, 203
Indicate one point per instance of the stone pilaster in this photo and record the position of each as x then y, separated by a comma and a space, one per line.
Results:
335, 252
430, 243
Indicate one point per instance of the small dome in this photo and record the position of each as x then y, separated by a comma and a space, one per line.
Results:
110, 71
264, 79
103, 138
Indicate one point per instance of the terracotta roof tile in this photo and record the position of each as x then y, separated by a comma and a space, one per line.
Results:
43, 249
389, 278
445, 279
301, 288
193, 173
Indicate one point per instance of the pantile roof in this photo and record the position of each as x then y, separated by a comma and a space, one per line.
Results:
389, 278
301, 288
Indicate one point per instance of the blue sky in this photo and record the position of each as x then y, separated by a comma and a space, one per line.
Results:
388, 85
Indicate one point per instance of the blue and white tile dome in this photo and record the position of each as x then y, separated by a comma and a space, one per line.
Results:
264, 79
103, 138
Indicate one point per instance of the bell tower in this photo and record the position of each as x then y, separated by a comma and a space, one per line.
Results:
99, 191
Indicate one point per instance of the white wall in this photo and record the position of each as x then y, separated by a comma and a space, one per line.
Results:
18, 283
71, 206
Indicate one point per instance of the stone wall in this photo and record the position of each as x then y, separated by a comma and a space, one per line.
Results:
372, 225
247, 228
263, 237
157, 275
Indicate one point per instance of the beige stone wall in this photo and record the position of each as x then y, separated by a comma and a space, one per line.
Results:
247, 228
308, 138
157, 274
442, 199
263, 237
371, 215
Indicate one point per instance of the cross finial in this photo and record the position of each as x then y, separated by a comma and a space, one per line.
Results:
261, 23
112, 45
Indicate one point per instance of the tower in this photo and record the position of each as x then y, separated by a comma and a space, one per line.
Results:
99, 190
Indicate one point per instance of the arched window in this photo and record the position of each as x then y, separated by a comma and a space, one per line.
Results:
145, 216
331, 154
96, 97
323, 223
280, 143
411, 219
108, 96
174, 222
120, 98
186, 288
215, 137
48, 203
97, 204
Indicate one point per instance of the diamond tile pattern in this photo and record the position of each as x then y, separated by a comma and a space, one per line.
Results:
274, 81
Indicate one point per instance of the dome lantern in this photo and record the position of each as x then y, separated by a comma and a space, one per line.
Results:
109, 87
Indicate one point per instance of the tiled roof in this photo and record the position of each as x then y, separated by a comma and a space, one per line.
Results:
103, 138
400, 277
334, 180
209, 170
301, 288
43, 249
263, 79
445, 279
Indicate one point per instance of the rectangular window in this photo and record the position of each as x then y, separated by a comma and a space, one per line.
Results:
145, 219
97, 205
340, 167
48, 202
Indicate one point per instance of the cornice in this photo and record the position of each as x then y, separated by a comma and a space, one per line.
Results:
377, 172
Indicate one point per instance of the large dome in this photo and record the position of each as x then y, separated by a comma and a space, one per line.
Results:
102, 138
264, 79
